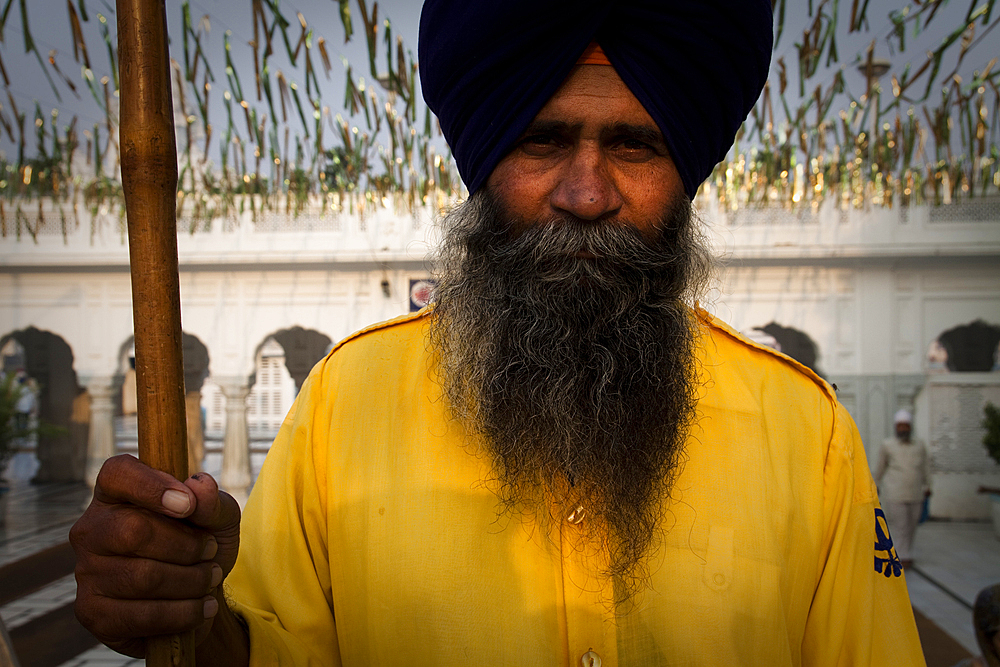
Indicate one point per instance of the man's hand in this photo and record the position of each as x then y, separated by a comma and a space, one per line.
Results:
151, 554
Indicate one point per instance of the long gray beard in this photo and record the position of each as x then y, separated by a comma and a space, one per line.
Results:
578, 374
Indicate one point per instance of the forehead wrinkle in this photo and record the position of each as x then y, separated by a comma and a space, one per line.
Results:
647, 132
552, 125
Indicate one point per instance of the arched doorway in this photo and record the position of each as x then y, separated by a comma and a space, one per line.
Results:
61, 402
196, 361
962, 377
23, 463
282, 362
969, 348
247, 412
303, 348
291, 353
272, 393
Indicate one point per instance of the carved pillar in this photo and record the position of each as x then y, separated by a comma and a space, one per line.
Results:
235, 478
195, 431
101, 435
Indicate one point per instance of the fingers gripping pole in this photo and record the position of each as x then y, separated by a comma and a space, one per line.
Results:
149, 181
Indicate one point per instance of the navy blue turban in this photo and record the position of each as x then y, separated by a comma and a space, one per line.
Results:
487, 67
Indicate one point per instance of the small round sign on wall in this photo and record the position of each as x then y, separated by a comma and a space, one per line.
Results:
421, 292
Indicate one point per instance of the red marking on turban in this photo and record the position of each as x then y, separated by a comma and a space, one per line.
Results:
593, 55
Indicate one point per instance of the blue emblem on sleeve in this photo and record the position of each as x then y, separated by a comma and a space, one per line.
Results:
888, 565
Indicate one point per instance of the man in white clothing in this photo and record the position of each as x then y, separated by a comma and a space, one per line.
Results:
903, 476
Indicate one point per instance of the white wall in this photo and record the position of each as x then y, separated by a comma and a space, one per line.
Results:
872, 288
949, 414
237, 287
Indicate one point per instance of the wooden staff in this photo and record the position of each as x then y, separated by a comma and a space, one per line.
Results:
149, 181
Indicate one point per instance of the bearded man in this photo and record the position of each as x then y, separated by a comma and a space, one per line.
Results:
565, 461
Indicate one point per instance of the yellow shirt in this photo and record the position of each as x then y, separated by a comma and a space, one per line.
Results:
370, 538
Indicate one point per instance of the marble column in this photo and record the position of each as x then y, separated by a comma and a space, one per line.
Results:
235, 478
195, 432
101, 434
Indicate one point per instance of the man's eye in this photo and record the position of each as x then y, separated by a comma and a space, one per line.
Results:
539, 140
635, 149
539, 144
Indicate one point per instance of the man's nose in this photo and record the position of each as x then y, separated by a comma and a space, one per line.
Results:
586, 189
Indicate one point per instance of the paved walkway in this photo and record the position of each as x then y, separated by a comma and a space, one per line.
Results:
953, 562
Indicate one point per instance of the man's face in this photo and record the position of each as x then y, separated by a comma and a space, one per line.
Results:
563, 322
903, 431
592, 153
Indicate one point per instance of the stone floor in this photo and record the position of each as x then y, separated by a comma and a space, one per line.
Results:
953, 562
39, 517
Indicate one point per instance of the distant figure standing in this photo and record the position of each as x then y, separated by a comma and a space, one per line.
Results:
903, 477
26, 402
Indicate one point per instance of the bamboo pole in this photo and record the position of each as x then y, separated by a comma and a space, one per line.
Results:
149, 181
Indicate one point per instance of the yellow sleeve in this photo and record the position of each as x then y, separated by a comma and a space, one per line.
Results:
280, 585
860, 614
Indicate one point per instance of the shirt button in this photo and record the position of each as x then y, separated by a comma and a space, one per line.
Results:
720, 579
590, 659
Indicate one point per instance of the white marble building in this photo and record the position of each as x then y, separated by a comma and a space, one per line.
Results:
873, 290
